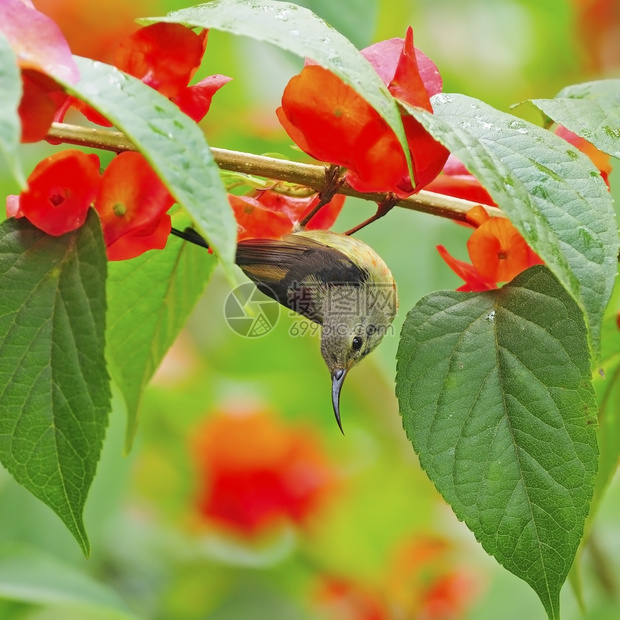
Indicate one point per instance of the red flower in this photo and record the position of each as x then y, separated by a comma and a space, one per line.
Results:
132, 205
40, 100
328, 120
164, 56
268, 214
343, 599
424, 577
420, 582
42, 54
136, 242
60, 191
497, 251
195, 100
256, 472
448, 597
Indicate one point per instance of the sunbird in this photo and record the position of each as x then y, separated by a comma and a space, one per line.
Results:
332, 279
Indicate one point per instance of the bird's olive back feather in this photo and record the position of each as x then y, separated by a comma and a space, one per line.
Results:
281, 268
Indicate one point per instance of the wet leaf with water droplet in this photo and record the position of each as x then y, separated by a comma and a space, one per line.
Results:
172, 143
496, 397
10, 125
271, 21
590, 110
550, 196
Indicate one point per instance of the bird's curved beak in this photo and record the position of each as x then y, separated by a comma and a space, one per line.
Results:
337, 381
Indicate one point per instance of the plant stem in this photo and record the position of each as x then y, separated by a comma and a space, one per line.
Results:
310, 175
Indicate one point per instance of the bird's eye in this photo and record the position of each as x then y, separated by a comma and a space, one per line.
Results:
356, 345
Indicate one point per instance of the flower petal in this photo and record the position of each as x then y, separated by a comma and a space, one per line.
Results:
498, 251
131, 197
474, 281
60, 191
195, 100
37, 41
164, 56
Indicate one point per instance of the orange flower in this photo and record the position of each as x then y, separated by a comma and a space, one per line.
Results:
343, 599
132, 205
266, 214
424, 579
329, 121
422, 582
497, 251
256, 473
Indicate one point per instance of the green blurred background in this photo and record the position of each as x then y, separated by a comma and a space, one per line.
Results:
154, 556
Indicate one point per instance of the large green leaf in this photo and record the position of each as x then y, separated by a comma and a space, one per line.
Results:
29, 575
298, 30
550, 191
590, 110
10, 95
172, 143
149, 300
496, 397
54, 387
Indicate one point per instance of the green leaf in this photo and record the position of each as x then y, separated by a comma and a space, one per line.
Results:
149, 300
298, 30
590, 110
54, 387
10, 96
607, 385
355, 19
550, 191
29, 575
171, 142
496, 397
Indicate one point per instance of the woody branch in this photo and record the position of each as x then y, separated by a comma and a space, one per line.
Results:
309, 175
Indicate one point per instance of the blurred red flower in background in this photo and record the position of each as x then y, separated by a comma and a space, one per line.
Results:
268, 214
343, 599
255, 473
422, 581
94, 30
328, 120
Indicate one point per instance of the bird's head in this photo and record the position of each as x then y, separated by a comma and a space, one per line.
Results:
352, 329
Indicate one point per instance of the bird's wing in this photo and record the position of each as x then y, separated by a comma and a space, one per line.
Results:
272, 263
296, 270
